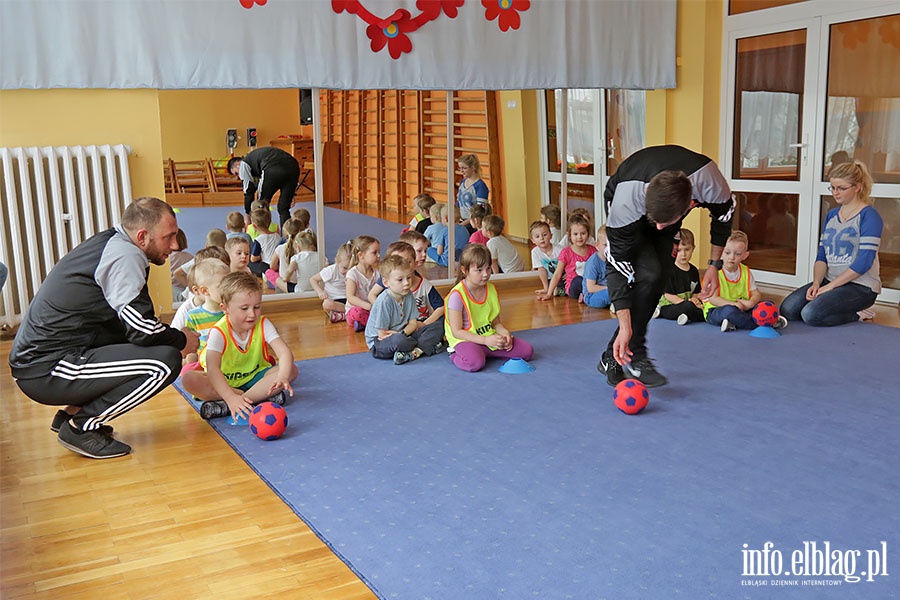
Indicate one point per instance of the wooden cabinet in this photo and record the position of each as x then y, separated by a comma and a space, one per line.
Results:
301, 148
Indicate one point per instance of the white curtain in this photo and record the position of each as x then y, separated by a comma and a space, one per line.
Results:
769, 124
340, 44
580, 126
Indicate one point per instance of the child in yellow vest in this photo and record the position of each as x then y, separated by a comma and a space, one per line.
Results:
472, 318
240, 370
732, 306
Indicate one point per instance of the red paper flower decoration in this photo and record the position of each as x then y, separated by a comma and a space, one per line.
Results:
505, 11
392, 32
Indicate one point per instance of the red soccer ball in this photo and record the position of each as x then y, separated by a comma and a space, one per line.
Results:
765, 314
631, 396
268, 421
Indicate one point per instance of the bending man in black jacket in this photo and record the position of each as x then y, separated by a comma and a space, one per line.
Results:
91, 341
646, 201
268, 170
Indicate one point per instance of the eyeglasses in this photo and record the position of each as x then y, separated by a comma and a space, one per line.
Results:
838, 188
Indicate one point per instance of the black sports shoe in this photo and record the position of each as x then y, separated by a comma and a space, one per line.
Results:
92, 444
403, 357
612, 369
213, 409
62, 416
644, 371
439, 347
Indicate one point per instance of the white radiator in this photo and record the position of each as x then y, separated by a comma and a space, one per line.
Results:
52, 200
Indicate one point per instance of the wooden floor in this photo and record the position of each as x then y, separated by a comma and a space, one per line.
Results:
183, 516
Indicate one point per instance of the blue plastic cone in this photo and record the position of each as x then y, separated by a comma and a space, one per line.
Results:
516, 365
765, 333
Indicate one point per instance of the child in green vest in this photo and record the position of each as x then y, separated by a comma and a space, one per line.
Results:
732, 306
246, 361
472, 316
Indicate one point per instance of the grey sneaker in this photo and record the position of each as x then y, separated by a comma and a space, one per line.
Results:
682, 319
92, 444
62, 416
403, 357
213, 409
781, 323
439, 347
278, 398
644, 371
726, 327
612, 369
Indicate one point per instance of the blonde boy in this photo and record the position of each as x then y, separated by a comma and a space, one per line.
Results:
393, 330
737, 295
264, 245
429, 302
235, 224
421, 206
504, 256
238, 254
240, 370
593, 283
206, 275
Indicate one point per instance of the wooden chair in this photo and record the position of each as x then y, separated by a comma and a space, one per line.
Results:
222, 180
192, 176
169, 176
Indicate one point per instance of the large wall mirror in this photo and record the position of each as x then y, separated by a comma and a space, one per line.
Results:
379, 150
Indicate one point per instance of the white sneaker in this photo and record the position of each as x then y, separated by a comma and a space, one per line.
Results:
612, 309
866, 314
655, 313
682, 319
727, 326
781, 323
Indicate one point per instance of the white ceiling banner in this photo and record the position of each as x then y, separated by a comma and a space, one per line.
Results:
340, 44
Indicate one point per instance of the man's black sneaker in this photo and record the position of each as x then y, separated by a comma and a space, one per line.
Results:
62, 416
213, 409
644, 371
92, 444
612, 369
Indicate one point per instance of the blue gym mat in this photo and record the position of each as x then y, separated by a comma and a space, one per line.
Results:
433, 483
341, 225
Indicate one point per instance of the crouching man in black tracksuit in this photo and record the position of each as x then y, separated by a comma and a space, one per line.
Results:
646, 201
268, 170
90, 341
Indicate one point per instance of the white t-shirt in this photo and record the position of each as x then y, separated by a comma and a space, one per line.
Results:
539, 258
180, 319
363, 284
307, 262
267, 244
335, 284
507, 257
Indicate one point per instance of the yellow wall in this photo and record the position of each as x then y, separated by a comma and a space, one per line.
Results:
67, 117
692, 108
193, 122
520, 159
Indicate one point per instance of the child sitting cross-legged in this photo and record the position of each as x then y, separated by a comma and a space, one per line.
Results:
263, 249
472, 319
393, 329
594, 288
680, 300
207, 276
429, 303
504, 256
545, 258
246, 362
738, 295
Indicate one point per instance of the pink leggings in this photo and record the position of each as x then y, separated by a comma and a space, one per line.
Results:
356, 314
471, 357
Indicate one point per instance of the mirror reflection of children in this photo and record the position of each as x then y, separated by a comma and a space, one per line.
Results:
246, 361
330, 284
472, 189
421, 206
505, 257
472, 316
680, 301
238, 254
596, 294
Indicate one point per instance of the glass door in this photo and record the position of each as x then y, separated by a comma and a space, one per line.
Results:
801, 97
600, 128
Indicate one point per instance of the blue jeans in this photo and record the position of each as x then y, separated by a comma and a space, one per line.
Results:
836, 307
597, 299
737, 317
